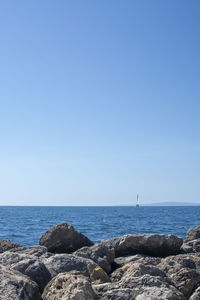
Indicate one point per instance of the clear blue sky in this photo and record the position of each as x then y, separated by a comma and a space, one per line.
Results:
99, 101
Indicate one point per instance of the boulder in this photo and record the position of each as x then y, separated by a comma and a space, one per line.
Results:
7, 245
63, 238
186, 280
33, 250
136, 270
182, 270
151, 287
28, 265
60, 263
195, 295
154, 293
100, 254
150, 244
119, 294
193, 234
67, 286
191, 246
147, 260
16, 286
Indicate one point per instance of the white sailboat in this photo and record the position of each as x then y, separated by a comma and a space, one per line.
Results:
137, 201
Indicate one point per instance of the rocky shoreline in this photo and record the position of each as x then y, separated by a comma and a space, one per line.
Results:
67, 265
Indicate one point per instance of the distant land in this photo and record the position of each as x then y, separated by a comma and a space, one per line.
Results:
171, 204
165, 204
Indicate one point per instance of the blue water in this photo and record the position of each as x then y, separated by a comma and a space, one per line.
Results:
25, 225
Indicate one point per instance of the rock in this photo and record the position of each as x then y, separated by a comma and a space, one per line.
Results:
100, 254
173, 264
191, 246
16, 286
123, 260
186, 280
193, 234
67, 286
150, 244
196, 294
28, 265
147, 260
155, 293
151, 287
63, 238
7, 245
119, 294
182, 271
60, 263
33, 250
136, 269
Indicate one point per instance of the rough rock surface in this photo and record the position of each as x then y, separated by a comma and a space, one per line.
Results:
33, 250
193, 234
60, 263
151, 287
63, 238
150, 244
99, 253
183, 271
136, 269
28, 265
16, 286
67, 286
196, 294
191, 246
7, 245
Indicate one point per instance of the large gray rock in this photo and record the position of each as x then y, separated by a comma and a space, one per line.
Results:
33, 250
28, 265
136, 270
150, 244
63, 238
154, 293
7, 245
67, 286
193, 234
16, 286
99, 253
60, 263
151, 287
183, 271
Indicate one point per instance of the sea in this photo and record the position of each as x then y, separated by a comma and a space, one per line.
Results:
25, 224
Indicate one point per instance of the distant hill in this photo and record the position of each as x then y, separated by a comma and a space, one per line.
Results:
172, 204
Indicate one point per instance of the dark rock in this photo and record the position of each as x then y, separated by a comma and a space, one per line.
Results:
68, 286
28, 265
7, 245
63, 238
60, 263
193, 234
100, 254
150, 244
16, 286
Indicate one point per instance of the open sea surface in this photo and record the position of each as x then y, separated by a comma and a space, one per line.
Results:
25, 225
